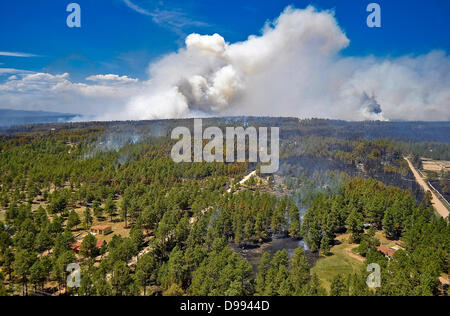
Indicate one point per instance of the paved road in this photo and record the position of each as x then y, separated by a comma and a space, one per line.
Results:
437, 204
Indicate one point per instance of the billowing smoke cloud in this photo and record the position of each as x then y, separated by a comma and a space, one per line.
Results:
370, 108
293, 69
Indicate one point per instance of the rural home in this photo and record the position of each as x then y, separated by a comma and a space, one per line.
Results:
77, 245
101, 230
388, 252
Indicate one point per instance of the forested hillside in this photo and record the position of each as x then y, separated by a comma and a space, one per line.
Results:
176, 227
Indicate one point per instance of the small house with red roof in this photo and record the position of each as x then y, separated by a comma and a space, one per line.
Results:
101, 230
76, 246
386, 251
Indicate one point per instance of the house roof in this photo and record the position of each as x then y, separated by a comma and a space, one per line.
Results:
101, 227
386, 251
77, 245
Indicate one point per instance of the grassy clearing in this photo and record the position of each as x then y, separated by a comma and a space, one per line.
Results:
383, 240
341, 261
118, 227
435, 165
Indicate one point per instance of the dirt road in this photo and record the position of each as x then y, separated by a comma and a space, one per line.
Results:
437, 204
245, 179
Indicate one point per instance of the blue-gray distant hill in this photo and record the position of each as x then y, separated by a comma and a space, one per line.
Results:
18, 117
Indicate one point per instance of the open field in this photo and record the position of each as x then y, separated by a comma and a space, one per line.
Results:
383, 240
435, 165
342, 261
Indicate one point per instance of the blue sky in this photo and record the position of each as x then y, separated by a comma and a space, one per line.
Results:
114, 38
323, 62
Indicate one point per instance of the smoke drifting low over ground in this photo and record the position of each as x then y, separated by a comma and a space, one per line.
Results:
293, 68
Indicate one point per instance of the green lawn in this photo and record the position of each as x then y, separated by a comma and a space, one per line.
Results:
340, 262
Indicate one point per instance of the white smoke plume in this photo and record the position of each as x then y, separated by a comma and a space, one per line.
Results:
293, 69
